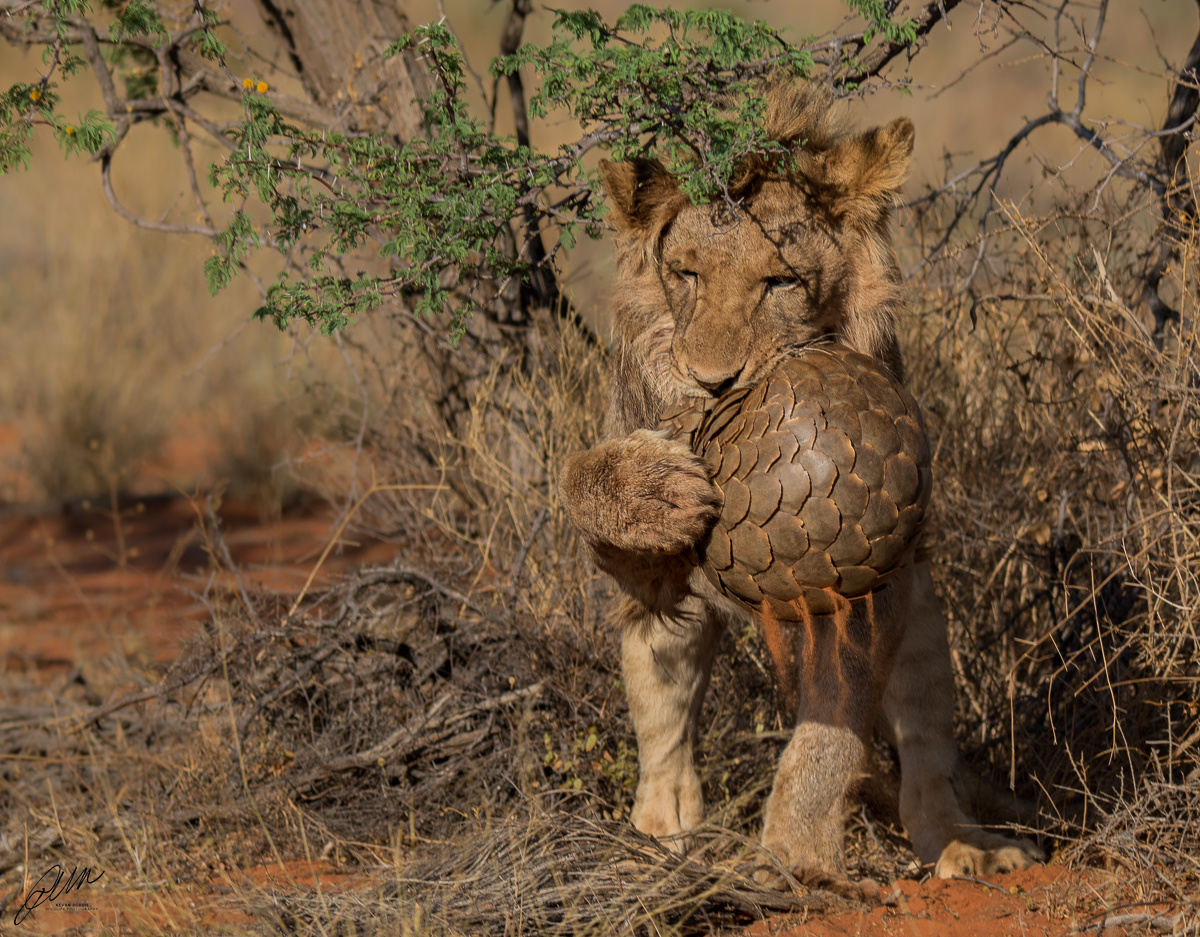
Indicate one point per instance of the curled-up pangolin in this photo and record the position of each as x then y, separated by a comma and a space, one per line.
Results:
824, 470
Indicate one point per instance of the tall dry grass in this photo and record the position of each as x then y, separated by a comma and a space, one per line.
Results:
108, 361
114, 347
1066, 441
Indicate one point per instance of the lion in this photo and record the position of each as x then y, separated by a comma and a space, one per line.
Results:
710, 298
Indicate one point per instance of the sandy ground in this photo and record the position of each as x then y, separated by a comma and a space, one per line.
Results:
130, 579
1040, 902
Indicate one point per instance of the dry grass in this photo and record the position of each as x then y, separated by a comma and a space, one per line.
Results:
1066, 525
89, 425
111, 365
555, 875
113, 346
475, 682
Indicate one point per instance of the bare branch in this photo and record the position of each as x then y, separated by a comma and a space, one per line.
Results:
91, 49
1085, 69
218, 134
991, 170
510, 41
106, 181
541, 289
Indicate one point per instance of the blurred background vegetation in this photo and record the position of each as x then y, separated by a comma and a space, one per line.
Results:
116, 348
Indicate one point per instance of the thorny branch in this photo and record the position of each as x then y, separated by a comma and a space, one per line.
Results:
876, 57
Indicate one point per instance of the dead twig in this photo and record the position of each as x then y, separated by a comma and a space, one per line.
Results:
337, 534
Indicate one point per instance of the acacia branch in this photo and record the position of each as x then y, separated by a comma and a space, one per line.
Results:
106, 182
541, 289
218, 134
876, 57
191, 75
196, 75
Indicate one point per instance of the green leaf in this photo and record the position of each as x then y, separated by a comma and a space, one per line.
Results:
137, 19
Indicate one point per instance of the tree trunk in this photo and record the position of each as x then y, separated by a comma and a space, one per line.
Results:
337, 48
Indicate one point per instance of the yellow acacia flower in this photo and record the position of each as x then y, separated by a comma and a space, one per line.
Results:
261, 87
35, 95
70, 130
247, 83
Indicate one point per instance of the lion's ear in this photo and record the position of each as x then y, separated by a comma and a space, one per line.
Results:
863, 174
639, 189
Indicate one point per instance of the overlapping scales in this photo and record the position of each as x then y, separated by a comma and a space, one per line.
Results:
824, 468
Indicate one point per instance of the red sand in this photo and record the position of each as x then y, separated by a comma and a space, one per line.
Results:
1050, 901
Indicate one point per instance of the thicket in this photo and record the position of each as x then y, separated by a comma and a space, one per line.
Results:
1051, 343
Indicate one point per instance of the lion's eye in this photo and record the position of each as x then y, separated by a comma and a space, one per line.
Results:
782, 283
688, 275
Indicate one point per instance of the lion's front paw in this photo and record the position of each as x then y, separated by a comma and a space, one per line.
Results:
668, 808
1000, 855
641, 494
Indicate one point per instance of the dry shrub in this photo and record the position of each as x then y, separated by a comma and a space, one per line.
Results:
1066, 512
87, 783
470, 439
398, 718
115, 350
88, 424
260, 458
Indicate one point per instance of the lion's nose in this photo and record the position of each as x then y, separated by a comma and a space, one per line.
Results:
715, 381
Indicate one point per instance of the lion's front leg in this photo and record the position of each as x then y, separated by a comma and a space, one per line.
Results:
918, 714
666, 663
642, 502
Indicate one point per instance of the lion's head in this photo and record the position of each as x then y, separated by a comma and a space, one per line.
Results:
711, 297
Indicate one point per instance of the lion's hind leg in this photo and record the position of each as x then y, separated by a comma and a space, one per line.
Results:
832, 671
918, 718
805, 818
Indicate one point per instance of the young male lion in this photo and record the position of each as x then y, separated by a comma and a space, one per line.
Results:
712, 298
